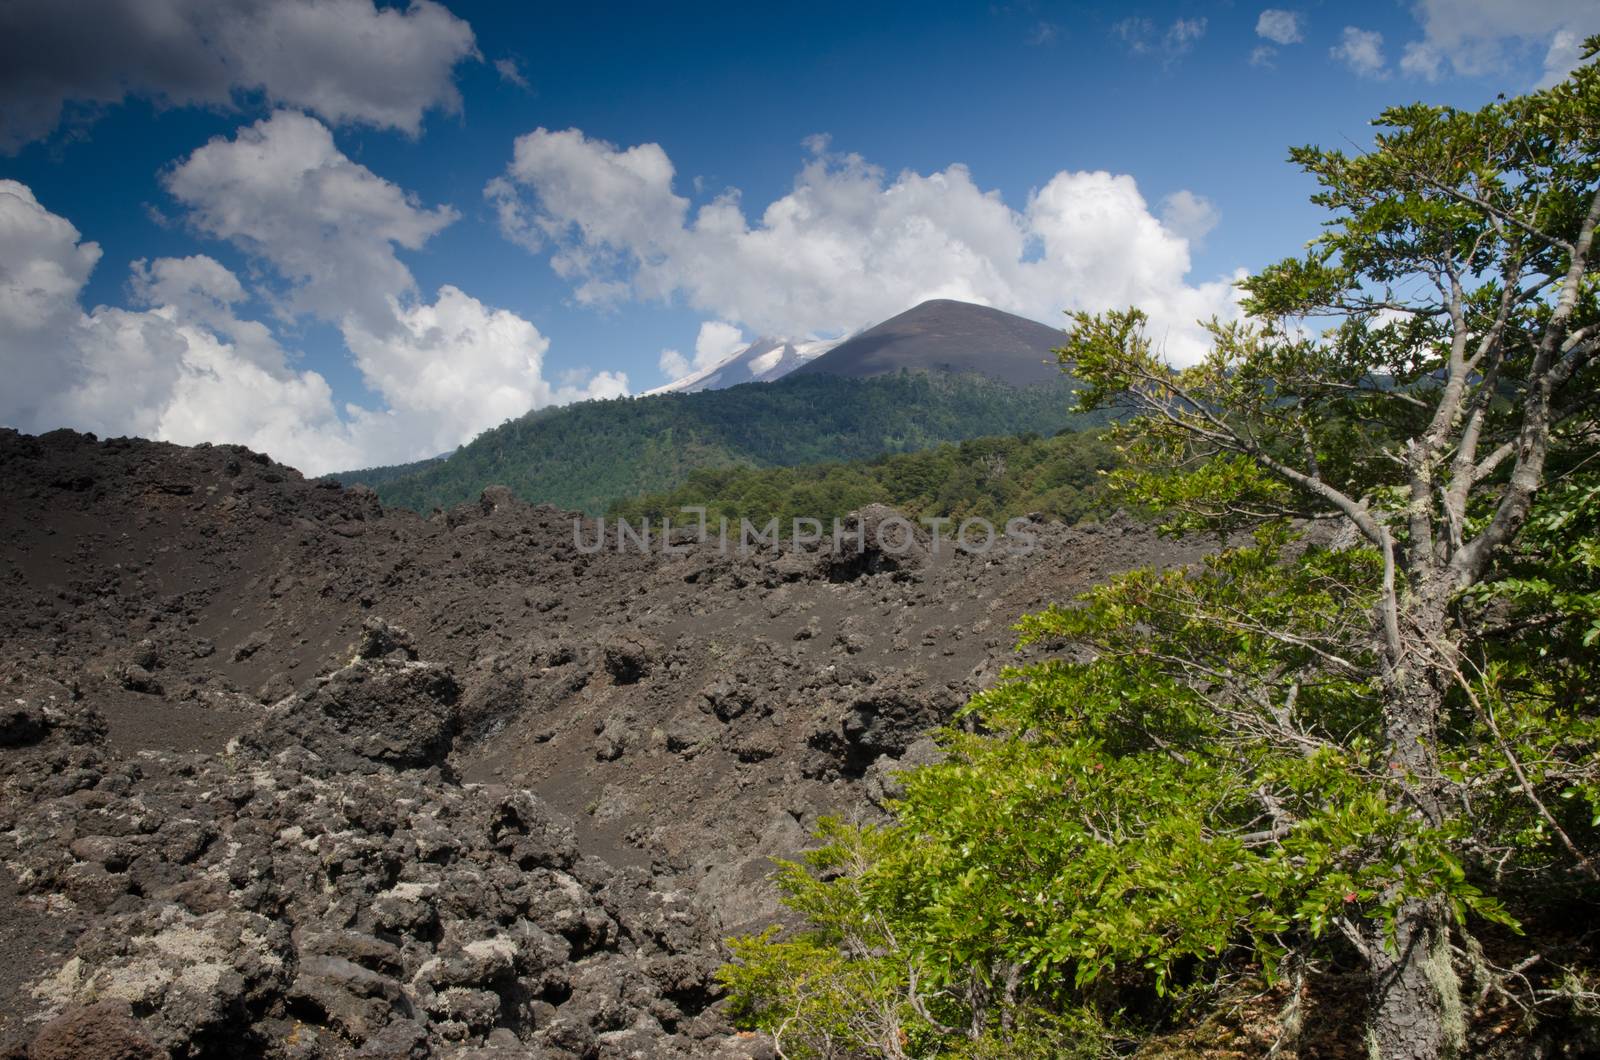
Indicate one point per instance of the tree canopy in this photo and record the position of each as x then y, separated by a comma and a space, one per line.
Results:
993, 478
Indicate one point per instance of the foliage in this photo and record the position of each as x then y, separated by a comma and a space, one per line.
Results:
378, 476
993, 478
850, 987
591, 454
1367, 730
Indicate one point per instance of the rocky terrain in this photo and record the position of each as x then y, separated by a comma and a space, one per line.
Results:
287, 773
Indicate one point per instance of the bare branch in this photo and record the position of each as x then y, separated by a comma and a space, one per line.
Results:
1545, 376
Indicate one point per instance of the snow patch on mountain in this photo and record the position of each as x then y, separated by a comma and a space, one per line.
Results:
763, 361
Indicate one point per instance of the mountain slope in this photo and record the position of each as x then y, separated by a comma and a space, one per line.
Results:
948, 336
592, 454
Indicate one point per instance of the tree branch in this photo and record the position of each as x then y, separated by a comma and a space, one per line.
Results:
1492, 210
1545, 376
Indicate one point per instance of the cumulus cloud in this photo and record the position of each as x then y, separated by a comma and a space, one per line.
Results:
1483, 37
1421, 59
849, 246
201, 290
1362, 51
331, 229
1562, 57
197, 283
1189, 215
718, 340
43, 266
347, 60
181, 364
160, 372
456, 362
674, 365
283, 191
1477, 38
1280, 27
614, 198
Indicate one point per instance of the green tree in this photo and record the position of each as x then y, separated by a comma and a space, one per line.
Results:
1378, 731
1426, 435
995, 478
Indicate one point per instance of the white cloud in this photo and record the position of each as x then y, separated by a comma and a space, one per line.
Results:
1420, 59
616, 198
1562, 57
458, 363
43, 266
516, 224
1140, 37
1136, 32
1189, 215
1362, 51
510, 72
1281, 27
674, 365
219, 396
718, 340
157, 372
848, 246
1263, 55
186, 368
282, 190
1475, 38
347, 60
1182, 34
197, 283
202, 291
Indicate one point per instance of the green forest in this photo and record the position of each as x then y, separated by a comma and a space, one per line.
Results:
589, 455
993, 478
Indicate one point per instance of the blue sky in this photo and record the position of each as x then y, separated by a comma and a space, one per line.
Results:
431, 286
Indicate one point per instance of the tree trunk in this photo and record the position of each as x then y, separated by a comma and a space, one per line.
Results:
1416, 998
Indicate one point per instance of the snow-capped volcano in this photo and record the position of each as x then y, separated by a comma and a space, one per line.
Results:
760, 362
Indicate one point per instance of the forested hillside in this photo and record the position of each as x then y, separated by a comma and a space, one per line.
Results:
590, 455
993, 478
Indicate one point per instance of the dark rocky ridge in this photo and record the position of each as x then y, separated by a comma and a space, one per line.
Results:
525, 824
